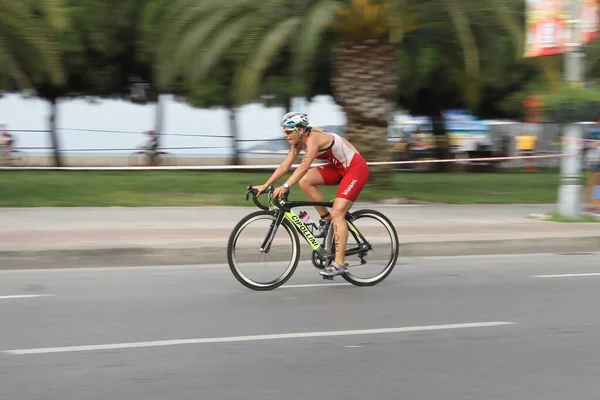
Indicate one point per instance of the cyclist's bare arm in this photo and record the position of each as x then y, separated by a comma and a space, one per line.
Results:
283, 168
312, 145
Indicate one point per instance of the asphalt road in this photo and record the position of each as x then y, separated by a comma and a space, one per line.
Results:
191, 332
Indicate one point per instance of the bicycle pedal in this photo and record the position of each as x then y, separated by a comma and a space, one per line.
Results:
330, 278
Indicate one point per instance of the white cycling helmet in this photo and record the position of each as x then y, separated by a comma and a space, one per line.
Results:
295, 119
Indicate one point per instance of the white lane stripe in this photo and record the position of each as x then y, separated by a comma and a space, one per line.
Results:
314, 285
253, 338
566, 275
23, 296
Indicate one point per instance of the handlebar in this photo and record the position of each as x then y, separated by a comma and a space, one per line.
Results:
269, 191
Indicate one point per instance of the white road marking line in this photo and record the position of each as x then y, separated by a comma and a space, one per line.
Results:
565, 275
23, 296
313, 285
278, 336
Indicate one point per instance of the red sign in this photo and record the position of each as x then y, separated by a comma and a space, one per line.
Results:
589, 17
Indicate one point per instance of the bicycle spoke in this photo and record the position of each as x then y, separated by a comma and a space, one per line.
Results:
260, 256
372, 248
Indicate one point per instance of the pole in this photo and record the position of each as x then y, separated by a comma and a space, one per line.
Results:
570, 190
158, 117
574, 54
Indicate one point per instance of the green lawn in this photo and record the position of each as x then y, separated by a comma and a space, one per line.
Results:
188, 188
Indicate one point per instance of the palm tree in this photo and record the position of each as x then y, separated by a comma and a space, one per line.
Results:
367, 37
27, 51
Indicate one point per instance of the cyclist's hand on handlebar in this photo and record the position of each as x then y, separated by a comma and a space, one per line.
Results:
260, 189
279, 192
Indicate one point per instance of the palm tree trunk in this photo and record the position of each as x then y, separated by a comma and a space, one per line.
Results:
364, 82
53, 133
235, 157
371, 142
159, 118
442, 141
158, 127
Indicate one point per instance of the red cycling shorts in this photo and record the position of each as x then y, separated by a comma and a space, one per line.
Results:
351, 179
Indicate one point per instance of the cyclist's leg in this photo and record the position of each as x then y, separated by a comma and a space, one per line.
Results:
354, 180
322, 175
340, 229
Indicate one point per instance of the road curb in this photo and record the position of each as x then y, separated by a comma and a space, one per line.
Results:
140, 255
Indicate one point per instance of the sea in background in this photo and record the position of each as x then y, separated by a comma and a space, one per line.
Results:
114, 127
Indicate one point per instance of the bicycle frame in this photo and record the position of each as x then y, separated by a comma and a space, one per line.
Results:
279, 212
284, 210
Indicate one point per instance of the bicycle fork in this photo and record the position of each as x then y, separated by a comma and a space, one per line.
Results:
266, 244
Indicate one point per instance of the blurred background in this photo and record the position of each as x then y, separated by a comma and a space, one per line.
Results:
156, 82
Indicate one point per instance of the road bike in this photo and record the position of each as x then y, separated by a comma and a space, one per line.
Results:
145, 157
275, 244
11, 158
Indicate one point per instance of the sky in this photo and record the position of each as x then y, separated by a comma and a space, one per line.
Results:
254, 122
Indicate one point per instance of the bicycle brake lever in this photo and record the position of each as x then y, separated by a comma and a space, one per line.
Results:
248, 190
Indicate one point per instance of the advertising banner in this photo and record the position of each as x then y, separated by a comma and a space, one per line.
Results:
589, 17
546, 27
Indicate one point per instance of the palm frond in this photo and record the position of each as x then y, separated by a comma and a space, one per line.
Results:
209, 57
551, 71
403, 18
10, 67
55, 15
362, 19
184, 14
592, 60
176, 20
29, 46
182, 39
465, 34
317, 21
247, 79
507, 17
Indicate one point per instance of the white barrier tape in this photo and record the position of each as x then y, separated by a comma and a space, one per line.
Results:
468, 159
578, 140
229, 167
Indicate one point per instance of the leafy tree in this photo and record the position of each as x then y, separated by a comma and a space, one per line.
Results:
367, 35
27, 48
99, 50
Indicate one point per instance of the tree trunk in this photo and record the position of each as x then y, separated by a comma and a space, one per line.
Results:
158, 119
53, 133
364, 82
442, 141
288, 105
158, 127
235, 157
371, 142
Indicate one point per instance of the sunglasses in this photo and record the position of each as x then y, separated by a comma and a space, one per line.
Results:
289, 131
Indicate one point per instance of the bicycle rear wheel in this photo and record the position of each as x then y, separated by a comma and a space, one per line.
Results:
164, 158
256, 269
16, 158
373, 256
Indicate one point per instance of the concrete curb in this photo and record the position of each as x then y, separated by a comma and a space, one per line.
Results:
140, 255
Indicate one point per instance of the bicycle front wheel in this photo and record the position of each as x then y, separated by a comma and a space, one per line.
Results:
258, 269
137, 159
371, 253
